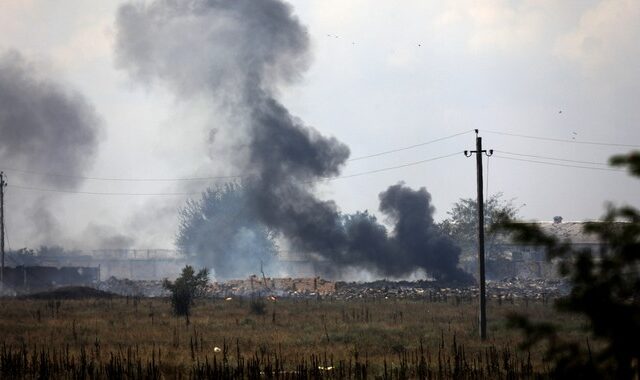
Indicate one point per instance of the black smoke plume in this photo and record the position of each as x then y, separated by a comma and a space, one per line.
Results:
44, 126
238, 53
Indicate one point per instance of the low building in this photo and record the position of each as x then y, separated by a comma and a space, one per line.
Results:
530, 260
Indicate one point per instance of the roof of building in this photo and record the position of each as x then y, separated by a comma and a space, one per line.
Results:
572, 231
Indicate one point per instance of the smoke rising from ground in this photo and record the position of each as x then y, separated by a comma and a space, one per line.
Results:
45, 127
239, 53
221, 232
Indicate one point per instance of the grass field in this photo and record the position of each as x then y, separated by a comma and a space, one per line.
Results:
140, 338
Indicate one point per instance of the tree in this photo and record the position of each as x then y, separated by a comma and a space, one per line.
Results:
185, 289
605, 289
222, 232
462, 227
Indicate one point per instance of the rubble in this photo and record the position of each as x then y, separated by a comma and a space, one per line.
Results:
252, 286
126, 287
279, 287
506, 289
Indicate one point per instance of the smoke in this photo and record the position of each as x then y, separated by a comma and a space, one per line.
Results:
42, 222
238, 53
212, 47
219, 231
104, 236
416, 240
49, 136
45, 127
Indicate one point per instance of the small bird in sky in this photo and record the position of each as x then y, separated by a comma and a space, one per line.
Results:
560, 111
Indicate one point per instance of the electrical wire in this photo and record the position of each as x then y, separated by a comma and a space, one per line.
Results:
123, 179
562, 140
98, 192
409, 147
212, 178
388, 168
551, 158
557, 164
327, 179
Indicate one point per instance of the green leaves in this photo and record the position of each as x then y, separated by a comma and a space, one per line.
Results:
186, 288
605, 289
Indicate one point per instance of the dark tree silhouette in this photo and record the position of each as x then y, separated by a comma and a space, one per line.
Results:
222, 232
185, 289
605, 289
461, 226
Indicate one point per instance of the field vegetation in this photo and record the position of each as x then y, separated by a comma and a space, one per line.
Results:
262, 337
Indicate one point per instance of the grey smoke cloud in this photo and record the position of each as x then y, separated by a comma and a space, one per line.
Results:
44, 226
196, 46
105, 236
238, 53
45, 126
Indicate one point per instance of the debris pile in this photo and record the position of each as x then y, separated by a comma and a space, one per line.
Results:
504, 290
507, 289
528, 288
139, 288
280, 287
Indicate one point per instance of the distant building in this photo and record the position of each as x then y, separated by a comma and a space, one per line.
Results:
528, 260
138, 264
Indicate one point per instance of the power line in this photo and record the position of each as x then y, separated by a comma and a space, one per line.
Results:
562, 140
213, 178
552, 158
327, 179
388, 168
58, 175
97, 192
557, 164
410, 146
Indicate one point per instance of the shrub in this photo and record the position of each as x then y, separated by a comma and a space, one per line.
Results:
185, 289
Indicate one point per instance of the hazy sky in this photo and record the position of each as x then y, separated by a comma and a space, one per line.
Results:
383, 76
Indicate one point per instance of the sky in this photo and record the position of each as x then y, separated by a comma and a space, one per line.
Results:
381, 77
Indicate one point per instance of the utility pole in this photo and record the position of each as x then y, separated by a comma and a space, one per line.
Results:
483, 292
3, 184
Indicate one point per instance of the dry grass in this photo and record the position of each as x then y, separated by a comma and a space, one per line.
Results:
379, 332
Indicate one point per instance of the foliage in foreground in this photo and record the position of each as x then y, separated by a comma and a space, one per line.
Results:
449, 361
381, 331
605, 289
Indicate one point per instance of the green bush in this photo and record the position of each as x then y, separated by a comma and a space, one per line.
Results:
185, 289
